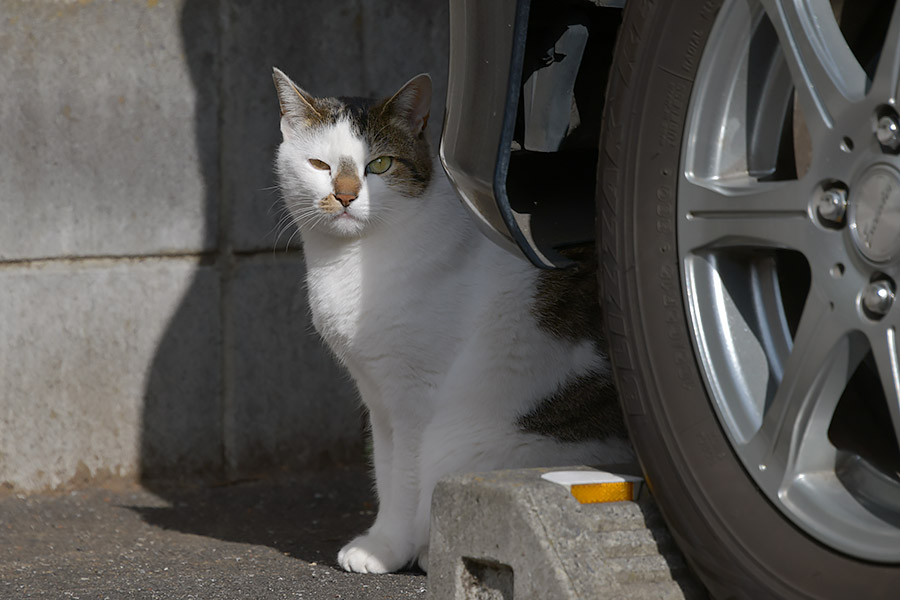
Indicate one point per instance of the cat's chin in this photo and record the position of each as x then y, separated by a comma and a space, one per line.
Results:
344, 225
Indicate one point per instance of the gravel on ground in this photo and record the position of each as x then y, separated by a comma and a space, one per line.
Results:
273, 538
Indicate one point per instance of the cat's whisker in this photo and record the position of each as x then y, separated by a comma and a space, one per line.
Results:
290, 239
293, 213
284, 224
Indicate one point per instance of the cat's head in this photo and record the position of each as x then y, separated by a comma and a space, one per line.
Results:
348, 164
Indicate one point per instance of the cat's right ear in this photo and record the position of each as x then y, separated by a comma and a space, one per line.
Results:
413, 102
296, 105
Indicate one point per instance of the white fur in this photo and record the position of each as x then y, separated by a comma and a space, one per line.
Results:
435, 324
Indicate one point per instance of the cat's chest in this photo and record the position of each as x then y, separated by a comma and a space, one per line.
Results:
361, 308
335, 293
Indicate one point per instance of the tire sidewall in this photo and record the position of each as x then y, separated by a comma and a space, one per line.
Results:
736, 540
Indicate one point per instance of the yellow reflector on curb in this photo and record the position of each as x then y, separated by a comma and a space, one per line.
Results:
589, 487
588, 493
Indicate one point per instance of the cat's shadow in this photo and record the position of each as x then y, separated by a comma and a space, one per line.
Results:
184, 443
308, 517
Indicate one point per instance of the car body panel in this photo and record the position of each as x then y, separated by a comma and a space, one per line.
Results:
500, 132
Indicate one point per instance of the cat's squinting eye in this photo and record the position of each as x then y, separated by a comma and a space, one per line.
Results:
322, 166
379, 165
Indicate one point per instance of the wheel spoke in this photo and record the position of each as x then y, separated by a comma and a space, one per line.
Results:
770, 215
793, 436
887, 75
884, 349
826, 74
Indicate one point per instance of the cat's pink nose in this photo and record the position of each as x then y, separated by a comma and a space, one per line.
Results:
345, 199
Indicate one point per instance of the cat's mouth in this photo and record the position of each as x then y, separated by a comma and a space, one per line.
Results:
330, 206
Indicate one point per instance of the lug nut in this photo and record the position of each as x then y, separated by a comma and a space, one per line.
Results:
832, 205
877, 298
888, 132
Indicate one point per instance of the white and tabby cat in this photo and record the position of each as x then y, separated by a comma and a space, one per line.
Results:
467, 357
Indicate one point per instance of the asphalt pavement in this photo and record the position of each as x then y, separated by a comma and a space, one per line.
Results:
273, 538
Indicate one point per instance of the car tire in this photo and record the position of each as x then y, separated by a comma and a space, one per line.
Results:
736, 539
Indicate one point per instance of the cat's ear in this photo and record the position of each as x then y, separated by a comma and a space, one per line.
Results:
413, 102
296, 105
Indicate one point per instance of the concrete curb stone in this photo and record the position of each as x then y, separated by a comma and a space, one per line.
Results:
509, 534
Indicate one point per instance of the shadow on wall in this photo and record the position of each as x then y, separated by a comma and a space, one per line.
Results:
239, 383
182, 410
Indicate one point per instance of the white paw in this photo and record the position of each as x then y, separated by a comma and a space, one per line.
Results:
423, 560
371, 553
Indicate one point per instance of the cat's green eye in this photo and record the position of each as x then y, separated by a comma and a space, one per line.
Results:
322, 166
379, 165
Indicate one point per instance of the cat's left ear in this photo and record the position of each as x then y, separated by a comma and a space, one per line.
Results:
413, 102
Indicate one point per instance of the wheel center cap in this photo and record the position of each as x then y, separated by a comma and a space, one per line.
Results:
875, 213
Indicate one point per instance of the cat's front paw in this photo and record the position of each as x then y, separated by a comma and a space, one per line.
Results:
371, 553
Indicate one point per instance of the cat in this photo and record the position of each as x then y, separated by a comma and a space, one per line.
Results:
467, 357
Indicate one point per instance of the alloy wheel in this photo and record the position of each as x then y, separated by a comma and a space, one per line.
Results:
789, 239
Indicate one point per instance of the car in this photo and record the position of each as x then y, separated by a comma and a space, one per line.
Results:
742, 158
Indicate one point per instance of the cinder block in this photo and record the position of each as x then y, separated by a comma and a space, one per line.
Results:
403, 38
108, 367
292, 404
317, 44
128, 129
510, 534
330, 48
108, 122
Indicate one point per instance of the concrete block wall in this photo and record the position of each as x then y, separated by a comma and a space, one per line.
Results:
152, 321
